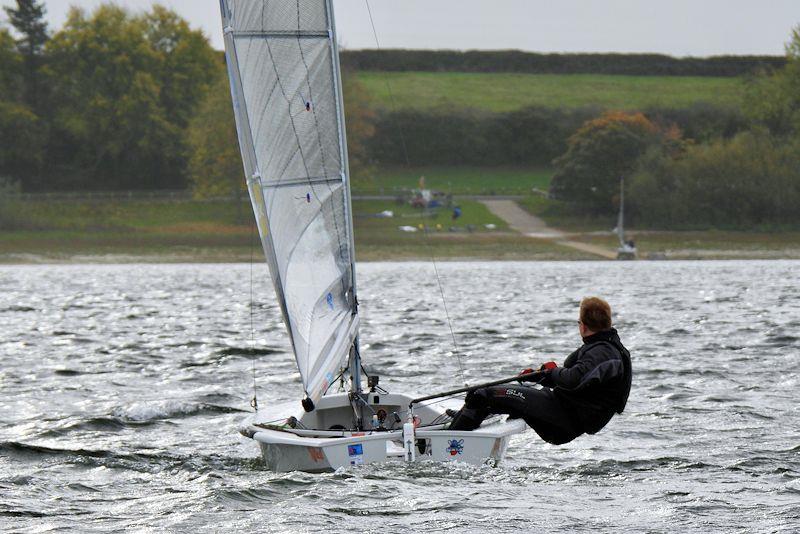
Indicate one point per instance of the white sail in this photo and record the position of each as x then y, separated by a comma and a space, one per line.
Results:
620, 229
284, 71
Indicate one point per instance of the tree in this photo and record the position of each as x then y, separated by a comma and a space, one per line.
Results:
738, 183
215, 165
601, 152
126, 87
21, 131
186, 64
10, 69
773, 100
23, 141
28, 20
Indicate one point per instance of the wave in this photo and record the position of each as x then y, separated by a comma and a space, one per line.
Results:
22, 513
142, 414
139, 412
623, 467
17, 309
97, 424
780, 340
249, 351
136, 461
67, 372
216, 357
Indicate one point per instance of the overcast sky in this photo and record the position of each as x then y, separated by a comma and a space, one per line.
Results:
676, 27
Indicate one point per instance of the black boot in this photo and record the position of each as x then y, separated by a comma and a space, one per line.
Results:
466, 419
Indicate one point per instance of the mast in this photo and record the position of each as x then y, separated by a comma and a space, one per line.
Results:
355, 355
621, 219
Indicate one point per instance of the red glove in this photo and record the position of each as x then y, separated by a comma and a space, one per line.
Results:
525, 372
547, 379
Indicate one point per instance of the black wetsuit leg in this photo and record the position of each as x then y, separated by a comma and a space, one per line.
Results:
543, 412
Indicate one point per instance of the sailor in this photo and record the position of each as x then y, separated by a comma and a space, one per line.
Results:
579, 397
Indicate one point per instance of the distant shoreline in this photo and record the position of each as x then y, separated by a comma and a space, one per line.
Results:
497, 229
218, 256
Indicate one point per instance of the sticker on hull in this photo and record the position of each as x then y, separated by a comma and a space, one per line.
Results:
356, 454
455, 446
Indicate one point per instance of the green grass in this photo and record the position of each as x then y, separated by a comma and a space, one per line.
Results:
472, 213
124, 215
443, 245
381, 239
456, 180
208, 231
187, 229
507, 92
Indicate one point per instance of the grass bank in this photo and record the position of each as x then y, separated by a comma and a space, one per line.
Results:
221, 231
456, 180
500, 92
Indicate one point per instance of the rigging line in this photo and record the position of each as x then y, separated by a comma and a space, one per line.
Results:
388, 87
254, 402
425, 227
444, 304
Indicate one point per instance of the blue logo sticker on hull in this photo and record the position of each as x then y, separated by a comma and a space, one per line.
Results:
455, 446
355, 450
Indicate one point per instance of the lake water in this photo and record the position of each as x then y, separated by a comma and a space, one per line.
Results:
122, 387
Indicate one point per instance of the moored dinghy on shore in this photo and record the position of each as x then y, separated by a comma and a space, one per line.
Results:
284, 71
627, 248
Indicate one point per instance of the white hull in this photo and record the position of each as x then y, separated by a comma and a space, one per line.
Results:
322, 449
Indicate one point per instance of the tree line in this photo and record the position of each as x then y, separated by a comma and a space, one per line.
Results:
104, 102
115, 100
528, 136
536, 63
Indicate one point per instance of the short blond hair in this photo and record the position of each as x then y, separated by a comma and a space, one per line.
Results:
595, 314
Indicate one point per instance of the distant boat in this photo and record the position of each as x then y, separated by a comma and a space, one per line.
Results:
284, 74
627, 248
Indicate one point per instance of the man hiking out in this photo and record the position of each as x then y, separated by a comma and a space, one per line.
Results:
579, 397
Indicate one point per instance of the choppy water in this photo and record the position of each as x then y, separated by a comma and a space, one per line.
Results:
121, 388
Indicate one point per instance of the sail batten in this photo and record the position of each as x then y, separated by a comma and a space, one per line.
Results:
281, 34
283, 68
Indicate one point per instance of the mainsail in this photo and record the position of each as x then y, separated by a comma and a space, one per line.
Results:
284, 72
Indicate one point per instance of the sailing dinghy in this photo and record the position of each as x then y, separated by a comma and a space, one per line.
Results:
627, 248
284, 72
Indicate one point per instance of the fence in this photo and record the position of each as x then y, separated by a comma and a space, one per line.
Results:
83, 196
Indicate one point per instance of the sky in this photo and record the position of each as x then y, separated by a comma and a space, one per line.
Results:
674, 27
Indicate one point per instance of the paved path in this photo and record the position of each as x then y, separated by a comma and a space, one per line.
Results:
525, 223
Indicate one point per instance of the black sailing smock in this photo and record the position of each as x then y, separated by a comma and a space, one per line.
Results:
595, 381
